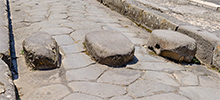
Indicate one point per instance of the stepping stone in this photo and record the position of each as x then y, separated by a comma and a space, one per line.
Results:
109, 47
172, 44
41, 51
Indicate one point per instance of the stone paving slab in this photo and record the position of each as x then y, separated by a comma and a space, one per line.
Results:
7, 90
99, 89
120, 76
80, 96
82, 74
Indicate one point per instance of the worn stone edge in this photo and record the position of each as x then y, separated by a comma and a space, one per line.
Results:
137, 13
205, 4
9, 93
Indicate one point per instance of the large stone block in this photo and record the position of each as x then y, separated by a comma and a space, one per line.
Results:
216, 56
109, 47
172, 45
41, 51
206, 42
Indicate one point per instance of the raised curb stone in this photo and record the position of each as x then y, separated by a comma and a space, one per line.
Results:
109, 47
206, 42
172, 44
7, 90
41, 51
216, 56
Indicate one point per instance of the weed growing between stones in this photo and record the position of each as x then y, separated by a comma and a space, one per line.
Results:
195, 61
214, 68
84, 47
22, 52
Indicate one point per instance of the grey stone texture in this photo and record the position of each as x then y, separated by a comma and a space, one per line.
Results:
79, 77
120, 76
208, 81
168, 96
172, 44
7, 90
216, 56
4, 41
109, 47
80, 96
157, 66
41, 51
186, 78
156, 14
51, 92
79, 60
82, 74
206, 42
125, 97
200, 93
98, 89
160, 77
142, 88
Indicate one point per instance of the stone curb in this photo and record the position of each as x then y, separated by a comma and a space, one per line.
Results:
151, 19
205, 4
7, 89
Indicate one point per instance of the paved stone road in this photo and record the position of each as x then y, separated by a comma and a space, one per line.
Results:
147, 77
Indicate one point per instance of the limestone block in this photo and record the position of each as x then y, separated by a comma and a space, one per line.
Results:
173, 45
216, 56
41, 51
109, 47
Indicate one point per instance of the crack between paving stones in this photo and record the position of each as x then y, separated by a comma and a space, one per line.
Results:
13, 58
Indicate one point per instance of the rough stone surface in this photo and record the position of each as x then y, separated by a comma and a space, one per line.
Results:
98, 89
82, 74
4, 41
157, 66
172, 45
109, 47
41, 51
79, 72
206, 42
120, 76
160, 77
142, 88
186, 78
126, 97
216, 56
79, 96
51, 92
168, 96
7, 90
200, 93
208, 81
73, 61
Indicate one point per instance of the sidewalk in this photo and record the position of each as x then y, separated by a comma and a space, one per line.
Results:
147, 77
7, 91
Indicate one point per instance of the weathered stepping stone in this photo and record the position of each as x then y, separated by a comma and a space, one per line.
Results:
109, 47
172, 44
41, 51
